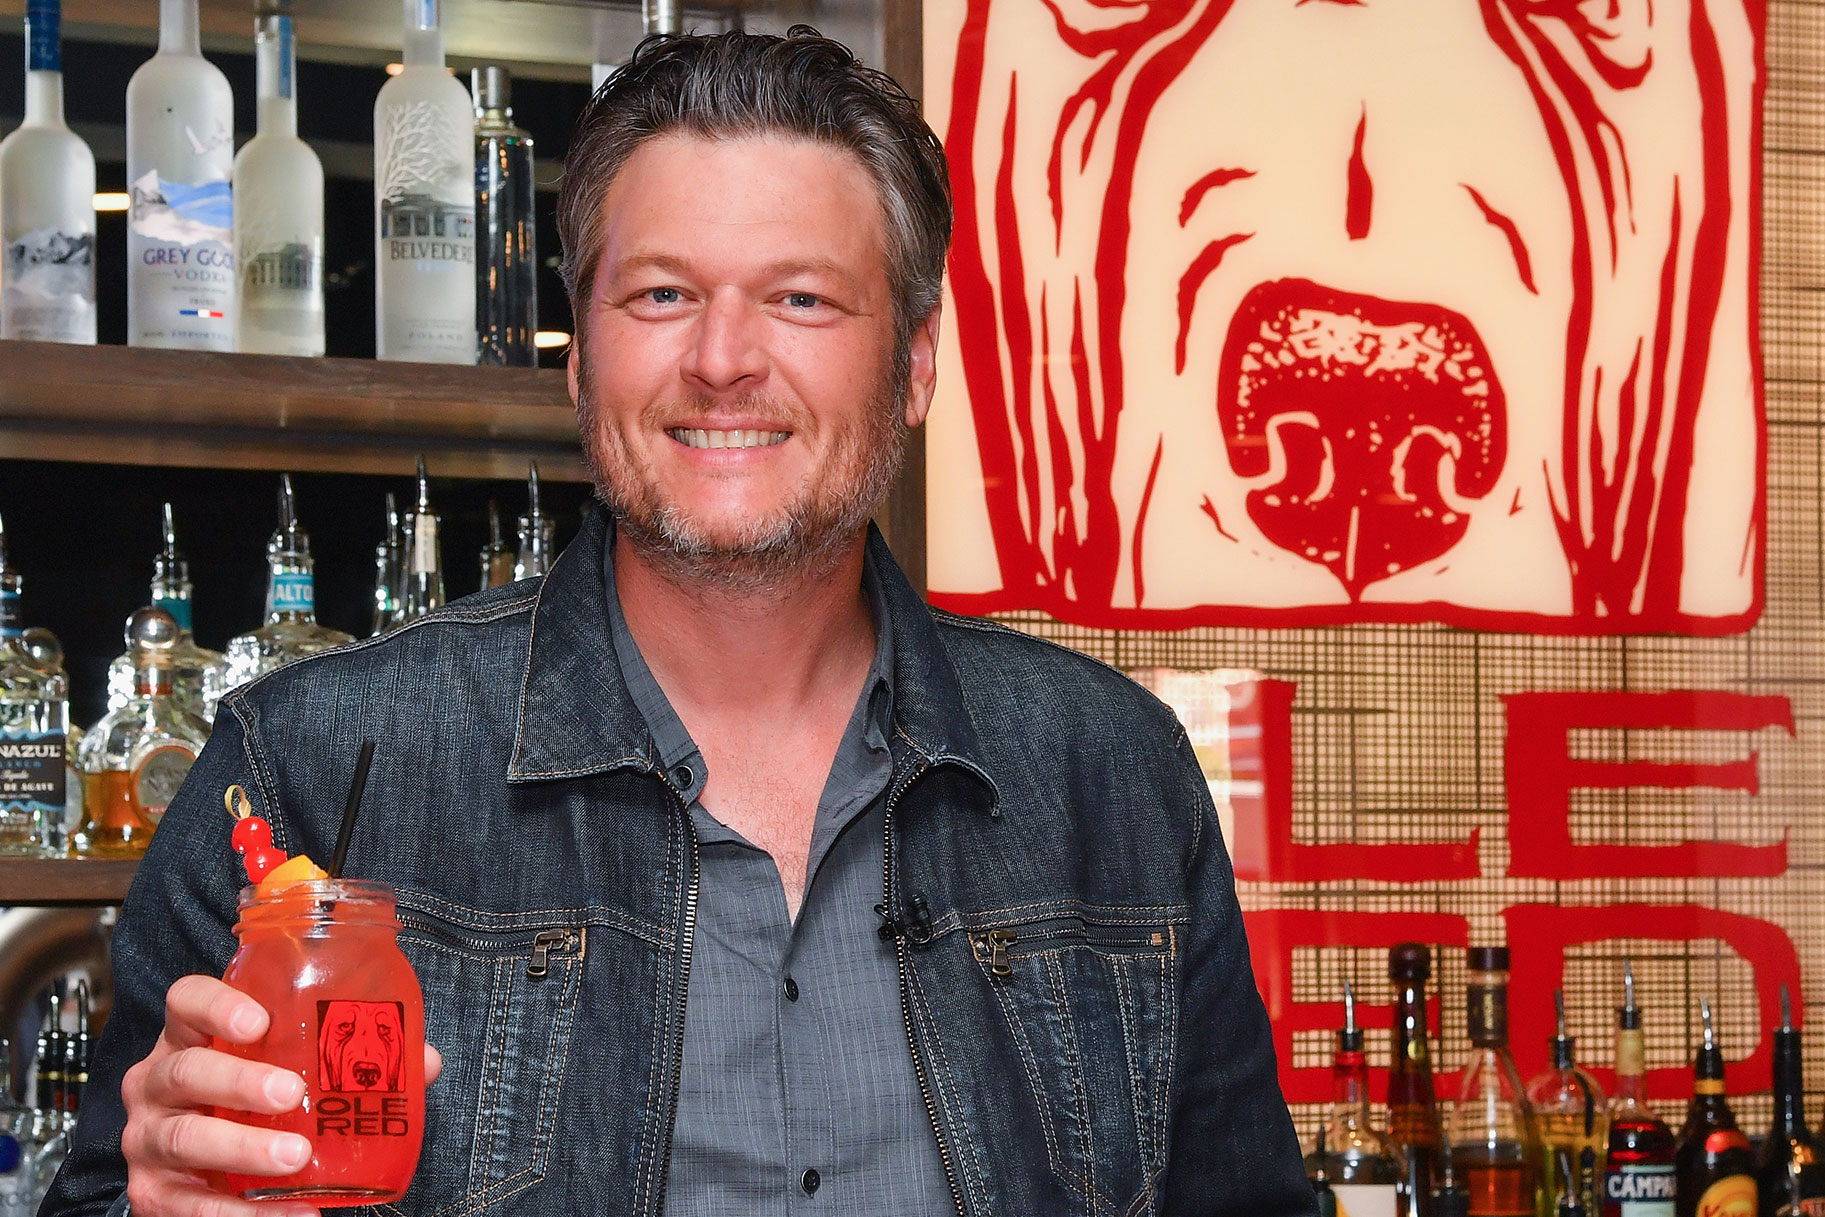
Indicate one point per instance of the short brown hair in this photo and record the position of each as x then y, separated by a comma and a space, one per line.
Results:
739, 84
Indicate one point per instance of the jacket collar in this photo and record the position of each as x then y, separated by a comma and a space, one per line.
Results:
578, 718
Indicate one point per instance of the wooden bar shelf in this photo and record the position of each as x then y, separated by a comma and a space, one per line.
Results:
65, 880
123, 405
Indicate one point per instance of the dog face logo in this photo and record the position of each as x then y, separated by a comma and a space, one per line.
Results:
358, 1046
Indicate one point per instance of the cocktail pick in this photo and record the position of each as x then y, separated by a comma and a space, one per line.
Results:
348, 812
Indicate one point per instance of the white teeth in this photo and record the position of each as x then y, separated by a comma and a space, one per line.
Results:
699, 438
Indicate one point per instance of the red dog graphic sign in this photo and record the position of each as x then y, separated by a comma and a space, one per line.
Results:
359, 1046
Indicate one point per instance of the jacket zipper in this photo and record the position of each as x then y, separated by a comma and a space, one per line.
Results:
689, 937
899, 953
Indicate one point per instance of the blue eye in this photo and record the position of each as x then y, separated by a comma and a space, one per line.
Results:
802, 300
665, 295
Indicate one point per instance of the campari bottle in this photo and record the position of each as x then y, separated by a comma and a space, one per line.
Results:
278, 211
1713, 1165
1638, 1170
47, 203
180, 221
424, 204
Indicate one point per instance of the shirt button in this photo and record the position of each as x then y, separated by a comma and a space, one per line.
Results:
809, 1181
791, 988
683, 776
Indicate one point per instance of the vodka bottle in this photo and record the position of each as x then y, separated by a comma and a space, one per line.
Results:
389, 573
34, 718
538, 535
47, 203
278, 212
506, 249
197, 671
424, 564
424, 204
136, 757
496, 558
180, 155
291, 630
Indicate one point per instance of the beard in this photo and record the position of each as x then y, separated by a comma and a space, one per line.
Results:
802, 541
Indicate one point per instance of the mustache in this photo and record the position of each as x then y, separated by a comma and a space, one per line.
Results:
784, 413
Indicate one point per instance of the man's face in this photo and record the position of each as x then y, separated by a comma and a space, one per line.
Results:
734, 377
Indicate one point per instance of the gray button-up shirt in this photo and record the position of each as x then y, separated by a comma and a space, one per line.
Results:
798, 1093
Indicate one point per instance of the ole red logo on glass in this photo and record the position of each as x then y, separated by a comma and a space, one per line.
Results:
1307, 311
361, 1068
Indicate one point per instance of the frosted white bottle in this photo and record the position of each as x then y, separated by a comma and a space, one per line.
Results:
180, 155
47, 204
424, 204
278, 212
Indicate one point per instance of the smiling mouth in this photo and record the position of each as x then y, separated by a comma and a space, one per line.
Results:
698, 438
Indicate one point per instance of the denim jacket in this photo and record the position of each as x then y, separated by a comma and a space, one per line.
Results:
1074, 977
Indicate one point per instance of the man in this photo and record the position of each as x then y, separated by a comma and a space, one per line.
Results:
839, 904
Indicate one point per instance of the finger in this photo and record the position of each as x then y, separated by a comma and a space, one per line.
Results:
434, 1064
189, 1196
198, 1008
191, 1141
203, 1077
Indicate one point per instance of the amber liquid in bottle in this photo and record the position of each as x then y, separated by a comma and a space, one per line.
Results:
1492, 1133
1413, 1123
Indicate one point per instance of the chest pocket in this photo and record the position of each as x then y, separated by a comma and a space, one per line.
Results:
1090, 1005
500, 1004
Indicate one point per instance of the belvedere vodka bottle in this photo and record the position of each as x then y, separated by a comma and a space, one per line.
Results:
506, 261
180, 154
278, 212
424, 204
47, 204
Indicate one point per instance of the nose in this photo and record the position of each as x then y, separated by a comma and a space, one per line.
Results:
727, 351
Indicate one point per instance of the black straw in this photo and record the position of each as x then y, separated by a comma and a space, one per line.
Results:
349, 810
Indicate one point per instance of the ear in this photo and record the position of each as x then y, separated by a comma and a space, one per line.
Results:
571, 362
923, 380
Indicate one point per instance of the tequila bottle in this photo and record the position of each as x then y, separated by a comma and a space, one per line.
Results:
278, 211
424, 204
291, 630
389, 573
424, 563
197, 672
47, 203
496, 558
538, 535
34, 720
180, 162
1572, 1116
47, 652
506, 250
1492, 1135
1638, 1174
136, 757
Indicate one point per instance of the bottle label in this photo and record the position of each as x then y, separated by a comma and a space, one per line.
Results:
1486, 1011
426, 249
48, 292
361, 1071
1731, 1196
292, 592
424, 545
12, 624
1364, 1199
180, 264
1639, 1190
157, 776
32, 772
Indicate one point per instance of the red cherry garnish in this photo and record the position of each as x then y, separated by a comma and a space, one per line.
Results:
251, 834
261, 862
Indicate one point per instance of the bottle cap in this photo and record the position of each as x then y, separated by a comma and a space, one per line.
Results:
1409, 961
491, 87
1487, 959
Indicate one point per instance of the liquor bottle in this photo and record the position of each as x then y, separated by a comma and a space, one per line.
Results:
198, 674
1323, 1195
1571, 1116
423, 562
1449, 1199
76, 1049
1638, 1171
34, 721
47, 1065
278, 211
135, 758
47, 203
1360, 1161
389, 573
1413, 1123
1713, 1167
496, 558
1568, 1189
538, 535
424, 204
16, 1191
506, 250
291, 630
1492, 1136
180, 221
1788, 1174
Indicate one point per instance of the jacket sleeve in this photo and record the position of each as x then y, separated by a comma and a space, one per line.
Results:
1233, 1152
178, 919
